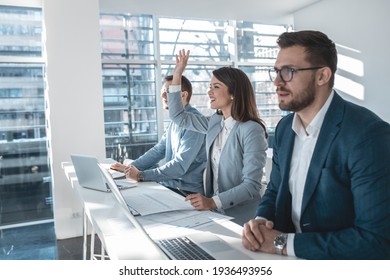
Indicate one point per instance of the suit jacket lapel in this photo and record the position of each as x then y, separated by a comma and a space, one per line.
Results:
285, 154
329, 130
286, 137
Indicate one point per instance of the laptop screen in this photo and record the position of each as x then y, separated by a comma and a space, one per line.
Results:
88, 175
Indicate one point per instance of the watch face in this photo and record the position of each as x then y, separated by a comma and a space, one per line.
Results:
280, 240
140, 176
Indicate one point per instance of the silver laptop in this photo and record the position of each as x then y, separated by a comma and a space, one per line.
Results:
202, 245
89, 175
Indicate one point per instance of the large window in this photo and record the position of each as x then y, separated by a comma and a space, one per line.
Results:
138, 51
129, 88
25, 189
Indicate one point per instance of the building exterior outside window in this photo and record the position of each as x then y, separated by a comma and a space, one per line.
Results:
25, 188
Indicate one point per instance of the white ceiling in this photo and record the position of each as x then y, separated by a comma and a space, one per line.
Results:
275, 11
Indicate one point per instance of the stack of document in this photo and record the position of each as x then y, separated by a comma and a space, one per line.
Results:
147, 201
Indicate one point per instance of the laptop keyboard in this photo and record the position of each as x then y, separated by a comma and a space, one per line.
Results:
182, 248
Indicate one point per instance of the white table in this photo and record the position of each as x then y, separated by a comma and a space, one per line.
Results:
103, 216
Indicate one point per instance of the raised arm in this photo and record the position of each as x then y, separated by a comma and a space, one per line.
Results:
177, 114
181, 63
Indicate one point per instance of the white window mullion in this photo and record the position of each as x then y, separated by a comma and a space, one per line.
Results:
160, 118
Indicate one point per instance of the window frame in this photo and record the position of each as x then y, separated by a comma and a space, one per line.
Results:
161, 61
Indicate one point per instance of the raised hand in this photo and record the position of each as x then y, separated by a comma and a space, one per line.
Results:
181, 63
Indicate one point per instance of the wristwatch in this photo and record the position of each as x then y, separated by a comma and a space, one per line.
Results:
140, 176
280, 242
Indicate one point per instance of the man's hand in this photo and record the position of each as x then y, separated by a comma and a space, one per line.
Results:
118, 167
132, 172
259, 235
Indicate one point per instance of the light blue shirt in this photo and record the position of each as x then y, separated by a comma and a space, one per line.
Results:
185, 158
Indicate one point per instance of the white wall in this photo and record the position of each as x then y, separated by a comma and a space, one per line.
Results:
75, 96
276, 12
361, 31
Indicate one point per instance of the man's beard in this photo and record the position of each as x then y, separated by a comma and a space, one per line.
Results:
301, 101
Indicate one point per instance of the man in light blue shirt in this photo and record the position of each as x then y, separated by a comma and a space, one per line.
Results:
183, 151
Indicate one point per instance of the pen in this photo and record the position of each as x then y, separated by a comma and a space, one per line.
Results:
182, 192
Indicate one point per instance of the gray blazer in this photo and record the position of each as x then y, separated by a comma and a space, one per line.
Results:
241, 164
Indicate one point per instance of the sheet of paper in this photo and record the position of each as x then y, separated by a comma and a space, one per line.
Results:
152, 201
158, 225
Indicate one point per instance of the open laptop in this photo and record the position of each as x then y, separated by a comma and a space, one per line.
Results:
89, 175
202, 245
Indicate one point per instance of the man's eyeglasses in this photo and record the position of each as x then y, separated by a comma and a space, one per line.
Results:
286, 73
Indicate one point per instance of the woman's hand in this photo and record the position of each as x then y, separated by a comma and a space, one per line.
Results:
200, 202
181, 63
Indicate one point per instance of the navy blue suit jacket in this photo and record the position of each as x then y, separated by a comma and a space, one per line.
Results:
346, 200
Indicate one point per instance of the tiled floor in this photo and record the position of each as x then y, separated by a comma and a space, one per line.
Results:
38, 242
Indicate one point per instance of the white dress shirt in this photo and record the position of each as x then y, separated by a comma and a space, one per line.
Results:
304, 145
217, 148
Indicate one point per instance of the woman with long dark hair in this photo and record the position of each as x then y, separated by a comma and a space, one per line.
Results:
235, 141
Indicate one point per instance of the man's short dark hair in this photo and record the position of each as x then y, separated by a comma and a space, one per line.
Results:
185, 85
320, 50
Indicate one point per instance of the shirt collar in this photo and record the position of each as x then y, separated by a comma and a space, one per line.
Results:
228, 123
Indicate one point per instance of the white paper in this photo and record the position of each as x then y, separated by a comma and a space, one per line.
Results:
152, 201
